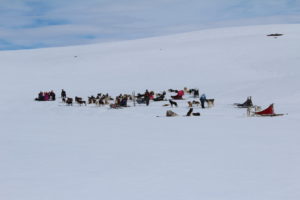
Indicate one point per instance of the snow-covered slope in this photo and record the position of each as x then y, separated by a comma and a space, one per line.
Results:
52, 151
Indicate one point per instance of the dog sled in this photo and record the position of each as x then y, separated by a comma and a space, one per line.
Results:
179, 95
247, 104
160, 98
268, 112
141, 100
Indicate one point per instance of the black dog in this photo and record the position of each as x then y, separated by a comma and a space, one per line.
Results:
69, 101
80, 101
171, 90
173, 103
189, 112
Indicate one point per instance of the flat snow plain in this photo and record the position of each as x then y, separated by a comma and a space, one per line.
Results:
51, 151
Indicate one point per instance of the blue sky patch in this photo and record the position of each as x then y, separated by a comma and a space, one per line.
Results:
45, 22
39, 23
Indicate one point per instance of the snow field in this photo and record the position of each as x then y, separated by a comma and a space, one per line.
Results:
51, 151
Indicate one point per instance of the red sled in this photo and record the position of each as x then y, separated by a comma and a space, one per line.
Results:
268, 112
179, 95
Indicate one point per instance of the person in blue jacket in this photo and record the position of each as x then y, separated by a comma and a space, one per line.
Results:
202, 100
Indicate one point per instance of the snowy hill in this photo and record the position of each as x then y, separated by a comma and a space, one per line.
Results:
52, 151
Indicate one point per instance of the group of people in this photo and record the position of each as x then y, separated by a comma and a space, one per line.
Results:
121, 100
46, 96
145, 98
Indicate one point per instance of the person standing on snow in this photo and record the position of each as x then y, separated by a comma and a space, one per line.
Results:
202, 100
147, 97
63, 94
52, 95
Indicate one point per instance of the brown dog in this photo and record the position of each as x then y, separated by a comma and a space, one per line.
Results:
210, 102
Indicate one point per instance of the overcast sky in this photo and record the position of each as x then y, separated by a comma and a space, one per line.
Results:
46, 23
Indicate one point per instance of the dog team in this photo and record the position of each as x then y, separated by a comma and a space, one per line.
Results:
121, 100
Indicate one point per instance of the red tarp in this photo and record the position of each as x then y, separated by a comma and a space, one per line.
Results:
267, 111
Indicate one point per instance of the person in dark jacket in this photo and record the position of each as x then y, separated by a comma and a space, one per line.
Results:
63, 94
123, 102
202, 100
40, 97
147, 97
52, 95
